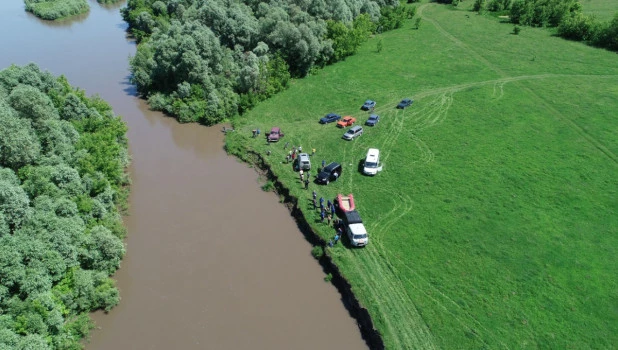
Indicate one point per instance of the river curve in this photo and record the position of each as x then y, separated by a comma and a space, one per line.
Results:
212, 261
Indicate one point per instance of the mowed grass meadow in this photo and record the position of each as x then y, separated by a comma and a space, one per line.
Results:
602, 9
493, 223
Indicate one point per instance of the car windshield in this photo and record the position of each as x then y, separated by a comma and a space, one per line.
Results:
350, 131
371, 165
360, 236
373, 117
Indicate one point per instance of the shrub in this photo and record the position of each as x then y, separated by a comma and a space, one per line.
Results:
317, 252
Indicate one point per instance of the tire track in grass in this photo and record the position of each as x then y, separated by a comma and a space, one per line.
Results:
583, 133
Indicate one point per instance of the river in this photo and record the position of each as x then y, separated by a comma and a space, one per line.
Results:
212, 261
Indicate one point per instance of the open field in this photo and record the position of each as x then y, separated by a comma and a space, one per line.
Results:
602, 9
493, 223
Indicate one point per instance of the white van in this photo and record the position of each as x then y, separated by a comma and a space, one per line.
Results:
372, 162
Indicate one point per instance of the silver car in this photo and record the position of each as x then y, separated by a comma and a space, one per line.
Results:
353, 132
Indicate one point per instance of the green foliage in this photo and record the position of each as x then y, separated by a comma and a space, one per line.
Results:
317, 252
328, 277
56, 9
516, 29
206, 61
541, 13
268, 186
62, 162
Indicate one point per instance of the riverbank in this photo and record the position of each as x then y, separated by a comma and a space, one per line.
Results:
369, 333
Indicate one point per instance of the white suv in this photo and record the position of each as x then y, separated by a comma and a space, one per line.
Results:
371, 165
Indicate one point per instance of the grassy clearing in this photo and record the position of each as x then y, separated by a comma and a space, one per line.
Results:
602, 9
493, 223
56, 9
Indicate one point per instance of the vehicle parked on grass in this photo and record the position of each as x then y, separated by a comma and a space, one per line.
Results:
274, 135
369, 105
331, 172
346, 121
371, 165
329, 118
353, 133
304, 162
356, 231
373, 120
406, 102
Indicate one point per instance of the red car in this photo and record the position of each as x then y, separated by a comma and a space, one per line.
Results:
346, 121
275, 134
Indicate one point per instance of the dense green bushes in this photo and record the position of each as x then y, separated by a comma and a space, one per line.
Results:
206, 61
62, 161
56, 9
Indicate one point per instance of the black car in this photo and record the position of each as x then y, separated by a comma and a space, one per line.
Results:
329, 118
406, 102
373, 120
331, 172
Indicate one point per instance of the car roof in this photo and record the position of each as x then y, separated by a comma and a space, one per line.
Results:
368, 101
331, 166
373, 116
373, 152
274, 128
355, 127
303, 155
406, 99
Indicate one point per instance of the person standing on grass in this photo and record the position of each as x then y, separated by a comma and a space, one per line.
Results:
329, 218
329, 204
313, 152
322, 215
286, 145
315, 204
315, 195
307, 183
301, 173
323, 163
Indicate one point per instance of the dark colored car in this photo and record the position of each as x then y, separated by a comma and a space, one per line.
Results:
274, 135
373, 120
369, 104
331, 172
329, 118
406, 102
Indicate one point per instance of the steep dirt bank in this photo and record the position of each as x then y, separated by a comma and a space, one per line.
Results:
371, 336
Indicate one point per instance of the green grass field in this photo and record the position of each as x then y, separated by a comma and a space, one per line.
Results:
602, 9
493, 223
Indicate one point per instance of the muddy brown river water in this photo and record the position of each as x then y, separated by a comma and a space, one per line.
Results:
212, 261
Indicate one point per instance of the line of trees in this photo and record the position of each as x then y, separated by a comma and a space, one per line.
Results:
62, 178
205, 61
565, 15
56, 9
